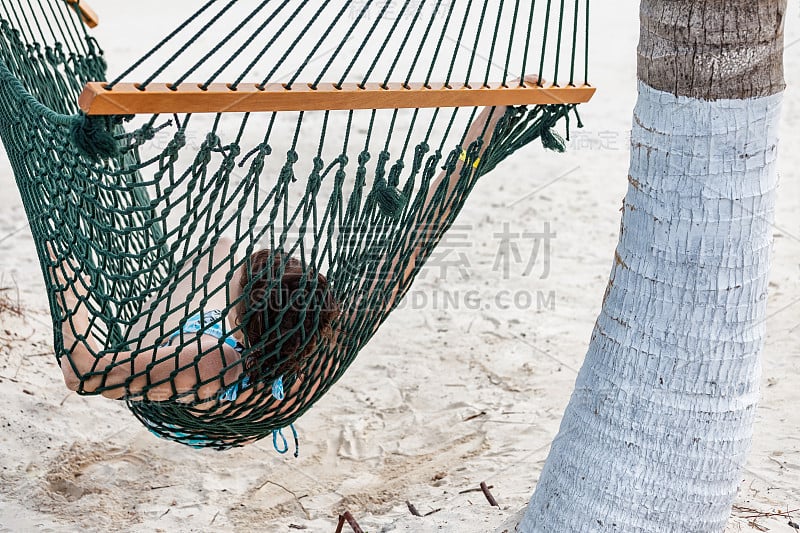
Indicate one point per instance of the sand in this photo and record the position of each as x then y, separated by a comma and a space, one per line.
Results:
462, 385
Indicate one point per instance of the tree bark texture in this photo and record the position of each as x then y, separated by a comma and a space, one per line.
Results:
712, 49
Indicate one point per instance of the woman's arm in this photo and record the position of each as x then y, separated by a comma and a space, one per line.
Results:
158, 374
385, 279
424, 233
483, 126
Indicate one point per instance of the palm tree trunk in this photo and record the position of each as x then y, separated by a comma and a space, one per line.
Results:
659, 425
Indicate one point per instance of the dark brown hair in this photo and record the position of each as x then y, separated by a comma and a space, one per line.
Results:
280, 317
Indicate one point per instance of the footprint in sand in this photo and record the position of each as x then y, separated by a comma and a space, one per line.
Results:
82, 470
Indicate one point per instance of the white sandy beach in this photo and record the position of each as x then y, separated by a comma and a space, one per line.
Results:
465, 383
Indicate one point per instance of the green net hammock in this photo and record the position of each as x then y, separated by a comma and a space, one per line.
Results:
142, 220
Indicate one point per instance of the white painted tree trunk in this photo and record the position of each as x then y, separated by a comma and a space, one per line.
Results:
659, 424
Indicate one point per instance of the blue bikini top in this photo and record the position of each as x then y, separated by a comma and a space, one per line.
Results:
211, 323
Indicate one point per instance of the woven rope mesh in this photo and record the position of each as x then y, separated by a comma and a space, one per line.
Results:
142, 223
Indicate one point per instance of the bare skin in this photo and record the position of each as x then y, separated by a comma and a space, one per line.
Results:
152, 370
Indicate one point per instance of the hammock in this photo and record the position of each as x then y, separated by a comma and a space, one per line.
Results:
234, 134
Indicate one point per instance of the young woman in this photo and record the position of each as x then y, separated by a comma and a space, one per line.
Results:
203, 363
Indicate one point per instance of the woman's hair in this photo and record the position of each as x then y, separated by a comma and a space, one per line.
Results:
286, 315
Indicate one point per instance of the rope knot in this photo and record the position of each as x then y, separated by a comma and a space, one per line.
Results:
260, 152
287, 172
315, 179
229, 162
234, 150
389, 199
257, 165
394, 174
419, 155
552, 140
212, 141
92, 137
452, 159
50, 55
144, 134
361, 177
383, 158
178, 141
203, 156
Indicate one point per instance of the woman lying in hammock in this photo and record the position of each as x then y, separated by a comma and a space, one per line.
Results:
201, 363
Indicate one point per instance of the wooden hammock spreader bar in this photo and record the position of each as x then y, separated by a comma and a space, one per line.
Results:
129, 99
88, 15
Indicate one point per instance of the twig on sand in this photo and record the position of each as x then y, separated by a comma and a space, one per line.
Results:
467, 491
350, 520
747, 512
473, 417
751, 515
488, 494
412, 509
294, 495
7, 305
